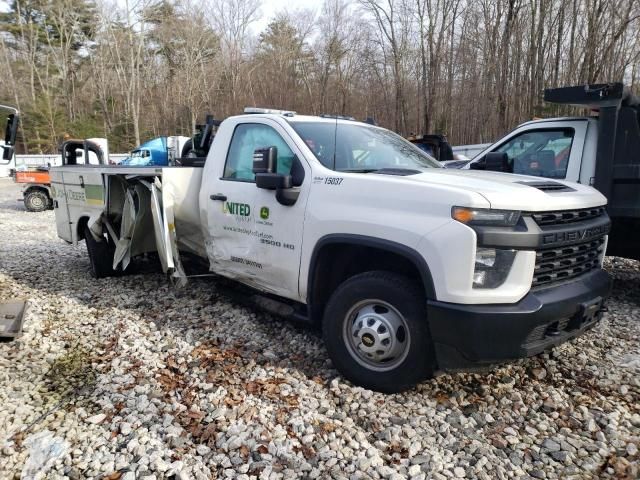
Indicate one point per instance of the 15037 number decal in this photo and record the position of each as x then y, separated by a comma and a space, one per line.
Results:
333, 180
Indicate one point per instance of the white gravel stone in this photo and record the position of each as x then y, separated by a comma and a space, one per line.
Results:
96, 419
413, 470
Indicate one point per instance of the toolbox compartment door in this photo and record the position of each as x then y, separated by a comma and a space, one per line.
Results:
60, 207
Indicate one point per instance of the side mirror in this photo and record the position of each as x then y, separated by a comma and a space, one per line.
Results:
7, 153
265, 169
496, 162
11, 131
273, 181
265, 160
10, 135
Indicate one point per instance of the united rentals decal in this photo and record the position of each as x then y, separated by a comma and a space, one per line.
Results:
239, 209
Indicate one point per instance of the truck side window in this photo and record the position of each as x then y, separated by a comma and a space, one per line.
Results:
247, 137
542, 153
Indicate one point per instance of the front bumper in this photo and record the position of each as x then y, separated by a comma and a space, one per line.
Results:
471, 336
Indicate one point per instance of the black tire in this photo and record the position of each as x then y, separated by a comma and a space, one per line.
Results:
187, 148
344, 312
36, 201
100, 255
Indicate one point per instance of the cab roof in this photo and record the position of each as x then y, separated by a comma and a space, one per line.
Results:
291, 115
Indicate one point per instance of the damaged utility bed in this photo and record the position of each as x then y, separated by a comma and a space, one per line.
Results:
130, 212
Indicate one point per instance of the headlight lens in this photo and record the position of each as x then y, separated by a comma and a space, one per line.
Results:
485, 216
492, 267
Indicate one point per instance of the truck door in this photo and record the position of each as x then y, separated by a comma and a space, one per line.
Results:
60, 205
252, 237
546, 149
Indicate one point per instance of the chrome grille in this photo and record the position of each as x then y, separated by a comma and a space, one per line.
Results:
567, 216
563, 263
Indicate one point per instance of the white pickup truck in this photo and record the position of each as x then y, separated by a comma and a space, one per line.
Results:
409, 268
602, 150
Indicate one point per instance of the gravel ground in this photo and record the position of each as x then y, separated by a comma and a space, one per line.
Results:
134, 379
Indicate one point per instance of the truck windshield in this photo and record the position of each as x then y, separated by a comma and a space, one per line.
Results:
347, 147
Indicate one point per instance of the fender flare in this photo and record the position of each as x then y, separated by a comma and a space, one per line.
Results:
35, 186
362, 240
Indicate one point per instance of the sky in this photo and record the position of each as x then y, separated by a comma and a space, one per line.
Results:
269, 9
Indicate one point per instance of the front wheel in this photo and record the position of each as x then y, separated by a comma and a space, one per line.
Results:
36, 201
375, 330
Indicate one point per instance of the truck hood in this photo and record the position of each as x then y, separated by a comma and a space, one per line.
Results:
516, 192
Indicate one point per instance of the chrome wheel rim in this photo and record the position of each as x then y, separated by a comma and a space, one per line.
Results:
376, 335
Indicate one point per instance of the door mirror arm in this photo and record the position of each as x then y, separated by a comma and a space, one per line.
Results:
477, 164
287, 196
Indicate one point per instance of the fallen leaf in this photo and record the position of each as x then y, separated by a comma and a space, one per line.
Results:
113, 476
244, 452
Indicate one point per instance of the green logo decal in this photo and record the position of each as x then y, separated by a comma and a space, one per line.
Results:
264, 213
234, 208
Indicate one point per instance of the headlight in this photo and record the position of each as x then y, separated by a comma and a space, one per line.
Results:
492, 267
485, 216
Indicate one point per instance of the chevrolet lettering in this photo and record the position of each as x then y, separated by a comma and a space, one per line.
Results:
575, 235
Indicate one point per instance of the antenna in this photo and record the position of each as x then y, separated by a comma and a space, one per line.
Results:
335, 143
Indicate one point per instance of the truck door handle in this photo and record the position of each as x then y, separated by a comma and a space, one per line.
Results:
218, 196
81, 181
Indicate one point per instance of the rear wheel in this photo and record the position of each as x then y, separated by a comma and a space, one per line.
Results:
100, 255
375, 329
36, 201
187, 149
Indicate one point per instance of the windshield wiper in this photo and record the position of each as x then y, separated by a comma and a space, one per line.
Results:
359, 170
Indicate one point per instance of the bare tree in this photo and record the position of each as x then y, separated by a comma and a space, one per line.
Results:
471, 69
232, 19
